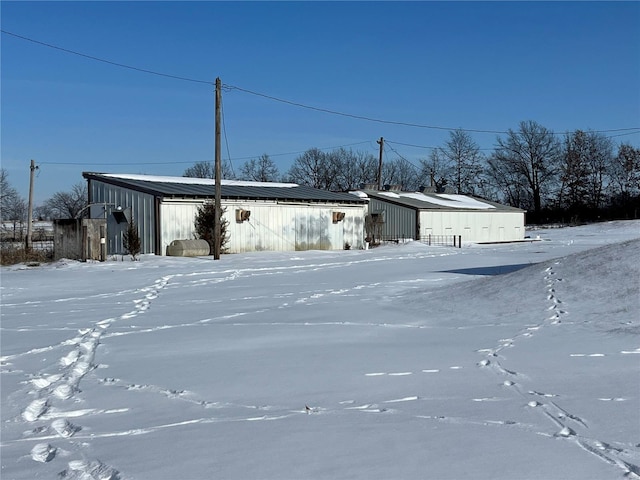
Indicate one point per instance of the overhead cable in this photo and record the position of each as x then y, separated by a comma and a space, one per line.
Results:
197, 161
289, 102
108, 61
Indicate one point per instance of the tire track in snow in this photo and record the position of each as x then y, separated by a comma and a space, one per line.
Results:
63, 386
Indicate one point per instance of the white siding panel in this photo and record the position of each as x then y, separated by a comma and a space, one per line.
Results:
279, 227
474, 226
177, 219
271, 226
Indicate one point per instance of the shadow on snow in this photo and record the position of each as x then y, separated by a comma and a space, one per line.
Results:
495, 270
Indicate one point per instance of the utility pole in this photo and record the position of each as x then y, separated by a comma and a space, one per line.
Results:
30, 212
381, 143
217, 230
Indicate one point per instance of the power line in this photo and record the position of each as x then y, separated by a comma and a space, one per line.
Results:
359, 117
109, 62
424, 146
399, 156
623, 134
289, 102
392, 122
226, 140
634, 132
196, 161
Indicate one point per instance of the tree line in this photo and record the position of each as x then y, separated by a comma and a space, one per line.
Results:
578, 176
14, 207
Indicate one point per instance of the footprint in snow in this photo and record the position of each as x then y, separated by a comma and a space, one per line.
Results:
64, 428
627, 352
540, 394
565, 432
82, 469
35, 410
64, 391
43, 452
405, 399
70, 358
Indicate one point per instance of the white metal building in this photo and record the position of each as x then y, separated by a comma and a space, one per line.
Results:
261, 215
416, 215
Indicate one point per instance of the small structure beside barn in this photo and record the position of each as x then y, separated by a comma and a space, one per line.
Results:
79, 239
261, 215
397, 215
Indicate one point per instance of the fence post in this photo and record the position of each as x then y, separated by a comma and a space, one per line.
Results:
459, 241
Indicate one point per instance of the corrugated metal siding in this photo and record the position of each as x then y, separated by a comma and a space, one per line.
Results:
399, 221
142, 210
177, 222
485, 226
271, 226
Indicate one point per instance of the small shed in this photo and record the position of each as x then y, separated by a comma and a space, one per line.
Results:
261, 215
417, 215
79, 239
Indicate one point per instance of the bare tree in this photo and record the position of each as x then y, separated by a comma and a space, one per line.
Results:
6, 192
527, 160
262, 169
507, 184
463, 160
436, 171
625, 172
42, 212
313, 168
200, 170
400, 172
13, 209
352, 169
587, 157
207, 170
68, 204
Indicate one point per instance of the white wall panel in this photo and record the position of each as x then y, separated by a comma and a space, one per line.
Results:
485, 226
271, 226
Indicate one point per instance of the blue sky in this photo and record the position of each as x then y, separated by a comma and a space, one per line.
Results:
478, 65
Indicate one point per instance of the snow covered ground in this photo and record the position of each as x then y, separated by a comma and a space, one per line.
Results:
515, 361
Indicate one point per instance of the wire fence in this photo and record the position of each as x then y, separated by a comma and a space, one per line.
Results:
432, 240
443, 240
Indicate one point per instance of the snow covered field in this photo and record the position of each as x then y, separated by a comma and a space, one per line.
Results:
515, 361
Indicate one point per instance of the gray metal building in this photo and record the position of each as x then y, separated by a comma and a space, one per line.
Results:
261, 215
417, 215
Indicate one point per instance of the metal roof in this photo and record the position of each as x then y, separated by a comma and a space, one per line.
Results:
183, 187
436, 201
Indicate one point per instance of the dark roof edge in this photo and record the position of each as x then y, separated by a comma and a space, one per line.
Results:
144, 186
102, 177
